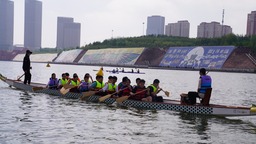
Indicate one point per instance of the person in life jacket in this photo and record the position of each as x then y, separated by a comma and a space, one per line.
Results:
53, 82
126, 89
74, 82
205, 81
140, 92
62, 81
110, 86
85, 84
154, 90
98, 84
137, 82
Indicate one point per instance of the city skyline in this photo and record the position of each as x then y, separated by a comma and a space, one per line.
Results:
126, 18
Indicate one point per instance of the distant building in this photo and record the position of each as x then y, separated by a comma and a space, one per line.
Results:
68, 33
212, 30
179, 29
251, 24
6, 24
33, 24
155, 25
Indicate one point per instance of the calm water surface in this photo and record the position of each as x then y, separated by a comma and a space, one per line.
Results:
40, 118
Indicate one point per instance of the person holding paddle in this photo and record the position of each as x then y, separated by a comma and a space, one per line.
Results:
74, 82
62, 81
26, 67
97, 85
140, 92
154, 90
85, 84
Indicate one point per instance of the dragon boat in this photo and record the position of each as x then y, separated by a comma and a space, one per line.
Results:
174, 105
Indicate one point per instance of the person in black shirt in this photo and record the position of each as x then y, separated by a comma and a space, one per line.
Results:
26, 67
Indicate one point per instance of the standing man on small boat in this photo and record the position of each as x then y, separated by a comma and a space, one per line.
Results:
26, 67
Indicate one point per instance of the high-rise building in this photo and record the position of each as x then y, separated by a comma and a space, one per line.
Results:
33, 24
251, 24
68, 33
179, 29
155, 25
212, 30
6, 24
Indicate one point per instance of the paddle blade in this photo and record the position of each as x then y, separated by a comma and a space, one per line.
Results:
87, 94
64, 91
37, 88
121, 99
167, 93
67, 86
104, 97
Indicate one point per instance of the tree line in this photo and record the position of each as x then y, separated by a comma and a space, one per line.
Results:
163, 41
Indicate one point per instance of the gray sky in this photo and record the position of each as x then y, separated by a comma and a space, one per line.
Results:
125, 17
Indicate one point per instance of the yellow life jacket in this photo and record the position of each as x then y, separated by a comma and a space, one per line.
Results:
77, 83
63, 82
154, 88
111, 87
99, 85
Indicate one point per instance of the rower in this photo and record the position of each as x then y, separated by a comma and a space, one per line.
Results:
141, 96
137, 82
62, 81
126, 88
98, 84
111, 86
85, 84
154, 90
53, 82
75, 82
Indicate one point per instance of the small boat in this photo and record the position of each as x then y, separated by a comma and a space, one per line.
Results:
174, 105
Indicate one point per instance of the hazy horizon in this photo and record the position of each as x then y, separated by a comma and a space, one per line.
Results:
126, 17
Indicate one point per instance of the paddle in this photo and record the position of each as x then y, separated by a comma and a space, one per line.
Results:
41, 88
123, 98
166, 92
87, 94
109, 95
66, 88
18, 79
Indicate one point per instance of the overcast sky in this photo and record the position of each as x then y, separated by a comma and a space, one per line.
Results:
125, 17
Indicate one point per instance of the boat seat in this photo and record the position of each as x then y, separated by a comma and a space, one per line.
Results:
205, 101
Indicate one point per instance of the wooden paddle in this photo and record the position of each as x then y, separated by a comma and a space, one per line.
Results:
166, 92
18, 79
88, 94
66, 88
41, 88
123, 98
109, 95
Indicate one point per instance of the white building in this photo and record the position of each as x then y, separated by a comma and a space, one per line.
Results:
179, 29
155, 25
33, 24
6, 24
212, 30
68, 33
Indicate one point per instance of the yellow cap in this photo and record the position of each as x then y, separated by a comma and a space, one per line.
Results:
100, 72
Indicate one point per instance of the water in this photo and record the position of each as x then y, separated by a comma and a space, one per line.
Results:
40, 118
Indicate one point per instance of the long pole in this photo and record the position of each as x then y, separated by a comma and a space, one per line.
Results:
143, 29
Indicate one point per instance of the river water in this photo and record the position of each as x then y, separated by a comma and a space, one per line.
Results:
27, 117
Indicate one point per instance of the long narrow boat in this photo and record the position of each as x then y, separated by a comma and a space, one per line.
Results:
174, 105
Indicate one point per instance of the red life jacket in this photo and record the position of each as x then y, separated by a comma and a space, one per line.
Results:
126, 92
140, 95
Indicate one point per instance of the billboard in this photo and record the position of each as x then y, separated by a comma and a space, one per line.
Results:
201, 56
123, 56
68, 56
